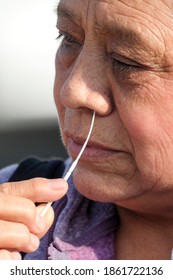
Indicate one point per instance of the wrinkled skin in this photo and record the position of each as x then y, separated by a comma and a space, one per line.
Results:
116, 57
20, 221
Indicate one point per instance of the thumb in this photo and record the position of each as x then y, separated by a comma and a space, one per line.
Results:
36, 189
48, 218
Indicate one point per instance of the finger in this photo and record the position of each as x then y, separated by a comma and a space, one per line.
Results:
48, 218
14, 236
37, 189
16, 255
7, 255
21, 210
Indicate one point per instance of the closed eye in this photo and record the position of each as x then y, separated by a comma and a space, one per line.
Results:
124, 64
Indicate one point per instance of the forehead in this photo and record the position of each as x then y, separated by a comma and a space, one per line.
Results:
86, 8
115, 15
130, 19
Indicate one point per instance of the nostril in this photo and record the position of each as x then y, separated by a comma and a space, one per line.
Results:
76, 93
112, 101
103, 103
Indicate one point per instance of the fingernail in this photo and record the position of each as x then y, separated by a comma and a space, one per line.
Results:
40, 222
57, 184
34, 241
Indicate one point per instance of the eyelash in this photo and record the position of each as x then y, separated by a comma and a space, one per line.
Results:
58, 37
121, 66
67, 38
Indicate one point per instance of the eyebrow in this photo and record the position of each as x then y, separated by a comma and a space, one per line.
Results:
124, 36
62, 12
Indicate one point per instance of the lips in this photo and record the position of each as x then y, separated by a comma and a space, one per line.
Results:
94, 151
91, 144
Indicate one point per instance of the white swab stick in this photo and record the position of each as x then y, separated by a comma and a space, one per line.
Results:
81, 152
72, 167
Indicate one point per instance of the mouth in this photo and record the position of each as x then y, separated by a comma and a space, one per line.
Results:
94, 151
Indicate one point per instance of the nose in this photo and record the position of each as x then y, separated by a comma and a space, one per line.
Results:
87, 85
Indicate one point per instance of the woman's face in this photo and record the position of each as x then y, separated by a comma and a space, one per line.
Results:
116, 57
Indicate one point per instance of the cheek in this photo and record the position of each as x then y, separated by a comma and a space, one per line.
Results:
148, 117
58, 103
141, 126
143, 132
149, 126
60, 79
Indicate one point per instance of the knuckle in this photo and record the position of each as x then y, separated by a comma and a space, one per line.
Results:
17, 209
5, 188
14, 235
29, 211
23, 237
36, 185
27, 188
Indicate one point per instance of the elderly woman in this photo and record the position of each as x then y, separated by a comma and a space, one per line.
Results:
115, 58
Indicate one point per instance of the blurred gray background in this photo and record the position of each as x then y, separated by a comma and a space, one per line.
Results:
28, 118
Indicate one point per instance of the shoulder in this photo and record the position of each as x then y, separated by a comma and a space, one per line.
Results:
7, 172
37, 167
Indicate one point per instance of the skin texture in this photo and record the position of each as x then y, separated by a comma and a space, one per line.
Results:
116, 57
20, 221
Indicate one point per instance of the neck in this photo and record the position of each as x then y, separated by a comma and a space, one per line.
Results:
143, 236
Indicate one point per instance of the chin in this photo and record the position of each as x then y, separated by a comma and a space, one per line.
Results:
99, 186
95, 187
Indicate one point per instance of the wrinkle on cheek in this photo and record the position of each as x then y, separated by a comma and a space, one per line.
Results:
153, 152
162, 162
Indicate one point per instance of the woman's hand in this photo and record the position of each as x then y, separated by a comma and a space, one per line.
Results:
21, 225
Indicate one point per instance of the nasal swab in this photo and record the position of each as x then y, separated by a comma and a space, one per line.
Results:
72, 167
